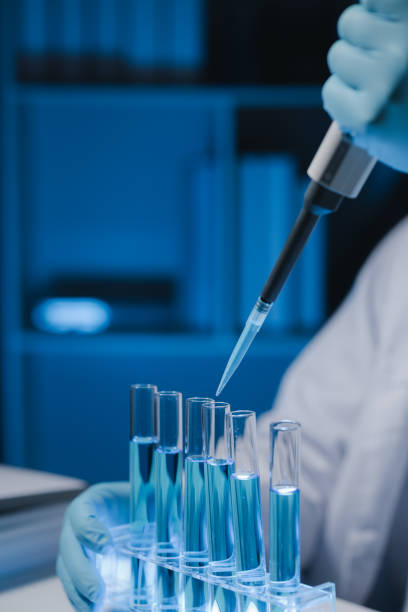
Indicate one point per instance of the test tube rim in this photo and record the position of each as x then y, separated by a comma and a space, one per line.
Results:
134, 409
205, 400
194, 403
242, 413
178, 396
143, 386
285, 425
217, 405
236, 420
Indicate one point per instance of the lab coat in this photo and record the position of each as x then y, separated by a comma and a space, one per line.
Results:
349, 391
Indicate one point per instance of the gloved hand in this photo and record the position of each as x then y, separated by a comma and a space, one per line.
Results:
367, 93
87, 523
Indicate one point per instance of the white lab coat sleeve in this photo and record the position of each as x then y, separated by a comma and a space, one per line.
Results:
323, 390
368, 483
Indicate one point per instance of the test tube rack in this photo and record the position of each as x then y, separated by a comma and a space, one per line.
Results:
130, 579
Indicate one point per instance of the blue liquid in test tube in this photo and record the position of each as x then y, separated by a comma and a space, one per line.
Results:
195, 519
284, 554
220, 530
168, 471
142, 505
246, 504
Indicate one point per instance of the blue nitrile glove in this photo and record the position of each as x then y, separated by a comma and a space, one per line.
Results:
87, 523
367, 93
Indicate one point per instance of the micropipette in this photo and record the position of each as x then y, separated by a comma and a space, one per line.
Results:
339, 169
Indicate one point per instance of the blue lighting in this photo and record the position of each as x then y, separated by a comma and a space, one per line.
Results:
72, 315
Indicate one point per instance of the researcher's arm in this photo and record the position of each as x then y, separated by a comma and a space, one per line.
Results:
367, 93
86, 526
349, 390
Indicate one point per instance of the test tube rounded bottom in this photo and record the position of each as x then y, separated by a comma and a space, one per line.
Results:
224, 600
167, 593
195, 594
143, 576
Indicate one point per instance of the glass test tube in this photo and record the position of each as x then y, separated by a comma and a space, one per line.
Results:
284, 515
246, 499
195, 543
168, 480
217, 470
168, 473
195, 515
143, 440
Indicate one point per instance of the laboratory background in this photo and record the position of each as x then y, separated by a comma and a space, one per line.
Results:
153, 162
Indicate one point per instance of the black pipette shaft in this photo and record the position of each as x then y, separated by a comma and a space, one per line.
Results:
318, 201
305, 224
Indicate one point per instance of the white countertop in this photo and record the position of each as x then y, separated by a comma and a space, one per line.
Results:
21, 487
48, 596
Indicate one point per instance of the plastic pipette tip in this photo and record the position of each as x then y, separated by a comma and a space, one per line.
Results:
252, 327
244, 342
237, 355
222, 384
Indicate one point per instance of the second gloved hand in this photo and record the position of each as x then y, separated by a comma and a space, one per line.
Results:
86, 525
367, 93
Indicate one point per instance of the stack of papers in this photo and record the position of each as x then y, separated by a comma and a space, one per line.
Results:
32, 506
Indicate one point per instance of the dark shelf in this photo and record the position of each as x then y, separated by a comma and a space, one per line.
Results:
247, 98
281, 129
60, 70
244, 43
271, 42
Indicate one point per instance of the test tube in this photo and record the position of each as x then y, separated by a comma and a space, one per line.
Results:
284, 548
195, 515
217, 470
195, 543
143, 440
246, 499
168, 480
168, 472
